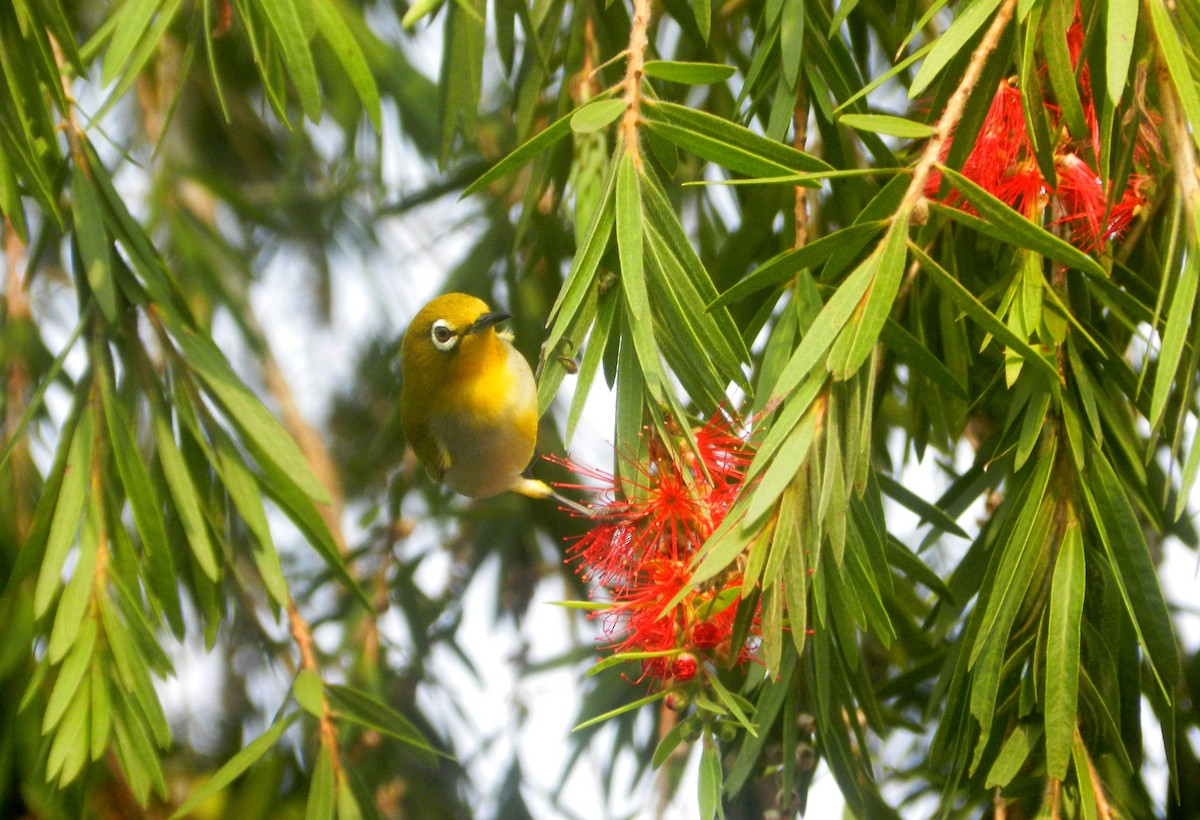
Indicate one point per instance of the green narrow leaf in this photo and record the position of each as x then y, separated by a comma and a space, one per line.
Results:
702, 11
627, 707
917, 356
791, 41
246, 495
680, 310
720, 130
1062, 651
951, 44
95, 247
785, 265
738, 158
582, 277
771, 698
1124, 543
593, 352
689, 73
143, 498
461, 77
1176, 58
67, 512
669, 742
929, 513
300, 509
138, 760
68, 750
696, 285
348, 803
737, 705
187, 501
633, 276
1014, 561
882, 77
341, 40
130, 657
795, 587
283, 16
971, 306
886, 265
1120, 28
321, 803
783, 468
1013, 754
1088, 810
101, 713
1056, 20
535, 146
1018, 230
1032, 98
596, 115
130, 24
1179, 323
248, 413
70, 675
820, 336
234, 767
310, 692
351, 704
889, 125
73, 605
710, 778
1033, 422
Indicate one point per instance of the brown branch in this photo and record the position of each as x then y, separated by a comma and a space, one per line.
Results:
955, 106
634, 70
302, 634
799, 138
1102, 808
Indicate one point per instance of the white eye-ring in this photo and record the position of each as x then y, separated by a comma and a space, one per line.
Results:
443, 335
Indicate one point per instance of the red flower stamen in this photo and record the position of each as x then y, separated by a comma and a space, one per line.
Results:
641, 547
1003, 162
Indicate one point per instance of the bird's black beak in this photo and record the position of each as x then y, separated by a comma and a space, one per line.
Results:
485, 321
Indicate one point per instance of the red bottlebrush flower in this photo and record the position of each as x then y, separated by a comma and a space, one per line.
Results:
641, 547
1002, 162
1082, 198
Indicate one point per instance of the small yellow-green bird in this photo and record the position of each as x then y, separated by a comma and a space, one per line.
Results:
469, 401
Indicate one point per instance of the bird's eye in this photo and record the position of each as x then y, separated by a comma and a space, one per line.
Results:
443, 335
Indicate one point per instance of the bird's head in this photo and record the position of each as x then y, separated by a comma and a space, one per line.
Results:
452, 334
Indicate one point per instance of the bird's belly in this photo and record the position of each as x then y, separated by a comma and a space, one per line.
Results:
487, 453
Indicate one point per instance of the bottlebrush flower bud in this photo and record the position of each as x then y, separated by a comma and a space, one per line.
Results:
684, 667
